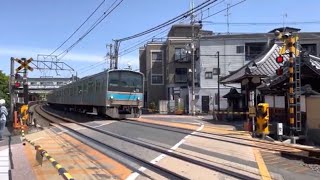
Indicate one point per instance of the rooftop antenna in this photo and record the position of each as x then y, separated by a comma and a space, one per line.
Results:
284, 16
192, 11
228, 24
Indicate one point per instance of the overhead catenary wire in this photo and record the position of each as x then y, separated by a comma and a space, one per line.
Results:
84, 22
127, 51
171, 21
95, 24
266, 23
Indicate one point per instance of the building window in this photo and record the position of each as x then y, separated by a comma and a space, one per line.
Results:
157, 79
156, 56
181, 75
179, 54
215, 71
310, 48
254, 49
240, 49
208, 75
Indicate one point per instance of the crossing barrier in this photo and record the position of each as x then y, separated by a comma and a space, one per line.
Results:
230, 112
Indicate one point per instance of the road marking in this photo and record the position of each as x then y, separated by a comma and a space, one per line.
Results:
100, 125
264, 173
134, 175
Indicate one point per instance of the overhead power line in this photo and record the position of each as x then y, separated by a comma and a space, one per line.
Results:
95, 24
78, 28
132, 48
171, 21
266, 23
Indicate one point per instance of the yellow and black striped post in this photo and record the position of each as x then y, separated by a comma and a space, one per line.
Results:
291, 48
23, 136
62, 171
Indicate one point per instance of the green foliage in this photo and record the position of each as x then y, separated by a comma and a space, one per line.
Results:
4, 87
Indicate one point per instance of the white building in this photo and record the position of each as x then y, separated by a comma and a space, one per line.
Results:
235, 50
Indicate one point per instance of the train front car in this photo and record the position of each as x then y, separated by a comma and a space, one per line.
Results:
124, 94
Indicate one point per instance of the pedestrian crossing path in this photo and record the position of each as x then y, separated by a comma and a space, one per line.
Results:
4, 164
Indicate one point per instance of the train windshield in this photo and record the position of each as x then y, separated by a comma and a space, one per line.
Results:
125, 81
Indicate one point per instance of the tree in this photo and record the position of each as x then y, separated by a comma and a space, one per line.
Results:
4, 87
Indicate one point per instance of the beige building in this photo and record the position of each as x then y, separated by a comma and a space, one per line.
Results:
167, 66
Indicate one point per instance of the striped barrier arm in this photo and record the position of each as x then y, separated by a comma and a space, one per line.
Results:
62, 171
226, 112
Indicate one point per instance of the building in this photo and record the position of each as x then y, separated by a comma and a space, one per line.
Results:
38, 88
235, 51
167, 65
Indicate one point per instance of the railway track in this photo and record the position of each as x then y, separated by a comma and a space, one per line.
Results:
286, 150
164, 172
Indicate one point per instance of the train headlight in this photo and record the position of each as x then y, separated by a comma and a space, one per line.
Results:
138, 99
111, 97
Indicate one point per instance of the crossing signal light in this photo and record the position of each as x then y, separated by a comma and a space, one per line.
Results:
279, 59
17, 84
279, 71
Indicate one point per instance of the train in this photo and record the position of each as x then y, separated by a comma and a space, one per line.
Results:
116, 93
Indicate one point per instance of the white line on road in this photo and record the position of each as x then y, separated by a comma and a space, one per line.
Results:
134, 175
101, 125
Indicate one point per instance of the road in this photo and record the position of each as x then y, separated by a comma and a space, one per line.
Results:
221, 150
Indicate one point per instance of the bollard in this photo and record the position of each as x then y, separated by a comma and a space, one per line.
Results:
43, 153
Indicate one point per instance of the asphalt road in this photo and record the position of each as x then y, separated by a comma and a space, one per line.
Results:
151, 134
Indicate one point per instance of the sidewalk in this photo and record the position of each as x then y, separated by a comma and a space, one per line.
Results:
13, 163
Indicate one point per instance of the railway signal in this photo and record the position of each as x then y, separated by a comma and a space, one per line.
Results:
279, 60
24, 64
290, 47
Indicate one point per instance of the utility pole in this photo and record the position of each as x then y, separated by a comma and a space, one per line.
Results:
116, 53
192, 61
110, 55
218, 54
228, 25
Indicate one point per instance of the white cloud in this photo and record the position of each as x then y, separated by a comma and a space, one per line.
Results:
132, 60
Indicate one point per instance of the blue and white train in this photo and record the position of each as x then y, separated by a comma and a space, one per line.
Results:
115, 93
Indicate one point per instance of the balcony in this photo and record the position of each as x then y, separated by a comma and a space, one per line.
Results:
181, 78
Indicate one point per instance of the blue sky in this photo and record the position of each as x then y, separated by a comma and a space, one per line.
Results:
36, 27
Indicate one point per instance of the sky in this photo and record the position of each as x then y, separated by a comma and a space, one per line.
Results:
29, 28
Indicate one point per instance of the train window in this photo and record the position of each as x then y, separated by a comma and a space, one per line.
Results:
98, 85
79, 89
85, 87
90, 86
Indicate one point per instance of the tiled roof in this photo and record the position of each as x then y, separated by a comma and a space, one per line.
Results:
265, 65
312, 62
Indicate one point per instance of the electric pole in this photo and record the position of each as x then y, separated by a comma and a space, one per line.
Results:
192, 61
110, 55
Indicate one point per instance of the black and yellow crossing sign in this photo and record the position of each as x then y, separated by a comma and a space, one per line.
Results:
24, 64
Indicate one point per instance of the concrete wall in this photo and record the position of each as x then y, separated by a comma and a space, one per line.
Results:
313, 118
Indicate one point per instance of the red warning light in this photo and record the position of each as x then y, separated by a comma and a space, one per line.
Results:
279, 59
17, 84
279, 71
